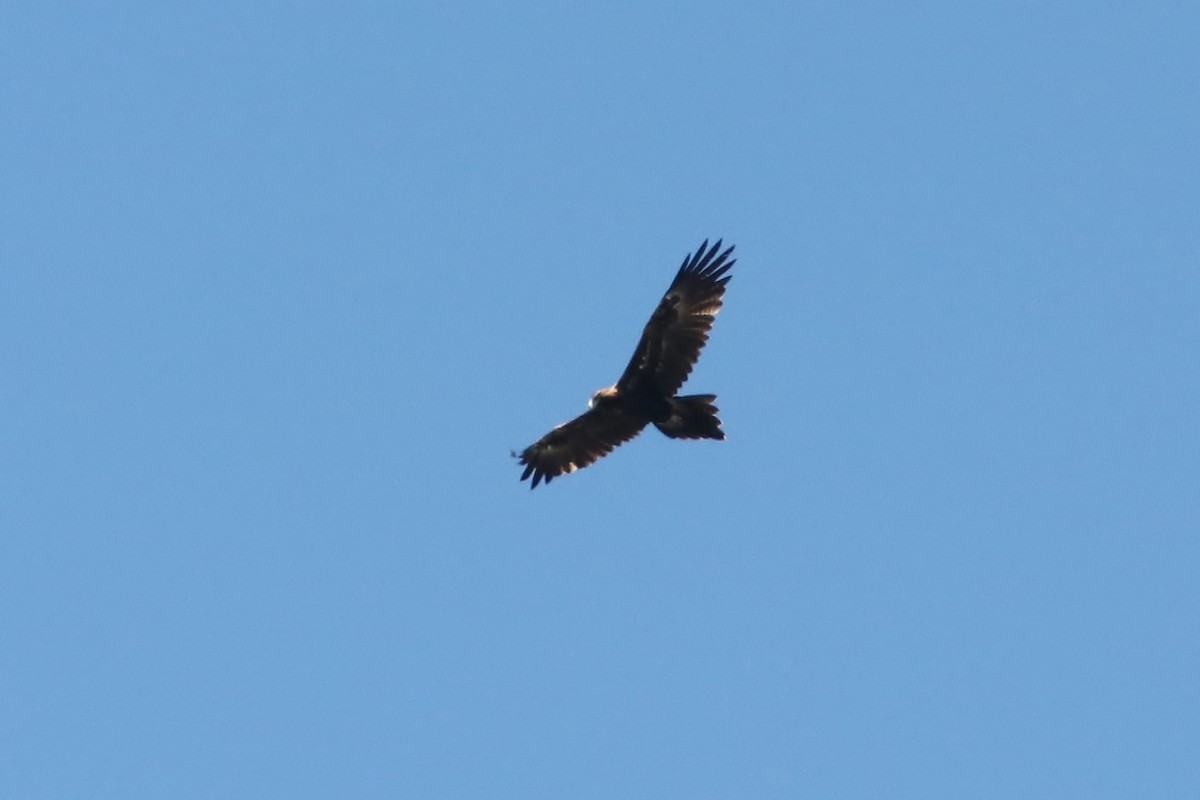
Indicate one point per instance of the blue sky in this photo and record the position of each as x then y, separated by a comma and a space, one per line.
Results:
283, 284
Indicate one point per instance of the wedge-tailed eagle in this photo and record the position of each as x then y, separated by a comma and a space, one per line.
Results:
646, 392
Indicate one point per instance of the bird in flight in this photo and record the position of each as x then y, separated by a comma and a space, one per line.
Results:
646, 392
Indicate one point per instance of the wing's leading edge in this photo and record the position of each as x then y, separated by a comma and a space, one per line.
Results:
679, 327
577, 444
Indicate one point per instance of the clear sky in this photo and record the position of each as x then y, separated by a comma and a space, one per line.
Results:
282, 284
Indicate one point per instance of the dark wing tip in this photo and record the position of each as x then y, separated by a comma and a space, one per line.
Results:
532, 468
708, 262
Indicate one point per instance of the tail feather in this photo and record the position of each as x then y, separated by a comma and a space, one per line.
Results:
693, 417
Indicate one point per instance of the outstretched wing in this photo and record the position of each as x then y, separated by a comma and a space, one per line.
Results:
577, 444
678, 328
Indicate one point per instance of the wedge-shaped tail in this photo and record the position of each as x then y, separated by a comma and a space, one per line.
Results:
693, 417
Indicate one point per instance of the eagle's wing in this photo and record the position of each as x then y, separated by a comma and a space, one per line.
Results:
678, 328
577, 444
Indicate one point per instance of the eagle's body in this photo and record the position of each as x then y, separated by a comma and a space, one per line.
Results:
646, 392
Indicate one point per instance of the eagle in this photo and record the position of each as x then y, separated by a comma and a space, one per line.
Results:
646, 392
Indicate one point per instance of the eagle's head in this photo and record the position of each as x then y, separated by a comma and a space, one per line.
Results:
603, 396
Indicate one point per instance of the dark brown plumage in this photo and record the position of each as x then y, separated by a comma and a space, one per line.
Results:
646, 391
